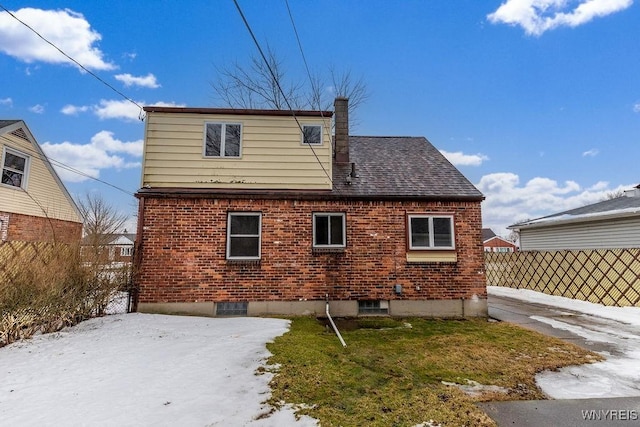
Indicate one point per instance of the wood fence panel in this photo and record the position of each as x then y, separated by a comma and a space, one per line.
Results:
608, 277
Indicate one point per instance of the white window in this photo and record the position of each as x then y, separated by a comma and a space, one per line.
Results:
430, 232
243, 235
15, 167
126, 250
329, 230
312, 134
222, 139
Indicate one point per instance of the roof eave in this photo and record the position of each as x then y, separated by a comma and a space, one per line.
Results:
591, 218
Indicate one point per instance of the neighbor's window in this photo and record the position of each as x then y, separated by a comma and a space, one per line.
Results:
312, 134
222, 139
243, 235
126, 251
329, 230
430, 232
14, 168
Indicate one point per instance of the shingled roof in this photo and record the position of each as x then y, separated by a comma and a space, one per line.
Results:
399, 167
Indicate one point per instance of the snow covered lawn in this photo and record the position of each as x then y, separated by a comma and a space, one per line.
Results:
142, 369
618, 375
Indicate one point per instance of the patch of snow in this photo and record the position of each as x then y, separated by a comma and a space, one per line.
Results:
144, 369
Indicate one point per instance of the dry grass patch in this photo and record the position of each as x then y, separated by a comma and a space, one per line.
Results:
392, 374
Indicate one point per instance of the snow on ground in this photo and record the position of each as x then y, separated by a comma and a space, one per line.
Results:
618, 375
143, 369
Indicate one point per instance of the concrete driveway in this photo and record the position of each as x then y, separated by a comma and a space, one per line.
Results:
611, 340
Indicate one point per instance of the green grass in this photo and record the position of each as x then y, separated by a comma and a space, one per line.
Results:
390, 374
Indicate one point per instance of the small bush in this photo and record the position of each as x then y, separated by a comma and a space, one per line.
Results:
46, 287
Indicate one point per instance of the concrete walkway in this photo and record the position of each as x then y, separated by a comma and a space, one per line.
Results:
615, 411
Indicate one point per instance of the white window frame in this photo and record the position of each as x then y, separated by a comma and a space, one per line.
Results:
25, 173
315, 144
223, 135
329, 215
126, 250
230, 236
431, 245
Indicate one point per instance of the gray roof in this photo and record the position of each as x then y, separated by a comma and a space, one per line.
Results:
4, 123
400, 167
487, 234
626, 205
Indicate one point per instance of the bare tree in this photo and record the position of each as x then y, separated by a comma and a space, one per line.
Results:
614, 195
257, 85
100, 219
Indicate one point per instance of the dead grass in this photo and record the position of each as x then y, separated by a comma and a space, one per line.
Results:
392, 375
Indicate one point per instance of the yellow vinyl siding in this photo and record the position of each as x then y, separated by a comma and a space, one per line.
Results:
43, 196
272, 153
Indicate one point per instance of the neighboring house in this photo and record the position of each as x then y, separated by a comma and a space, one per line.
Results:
495, 243
115, 250
252, 212
609, 224
34, 204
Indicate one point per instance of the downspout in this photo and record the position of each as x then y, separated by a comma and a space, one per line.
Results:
137, 256
333, 325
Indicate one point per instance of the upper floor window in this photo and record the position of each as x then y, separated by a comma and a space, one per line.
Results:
15, 166
329, 230
312, 134
431, 232
222, 139
126, 250
243, 235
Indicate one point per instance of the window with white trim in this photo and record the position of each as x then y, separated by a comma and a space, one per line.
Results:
430, 232
126, 250
243, 235
329, 230
15, 167
222, 139
312, 134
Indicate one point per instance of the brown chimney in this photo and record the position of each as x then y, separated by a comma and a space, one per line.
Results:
341, 106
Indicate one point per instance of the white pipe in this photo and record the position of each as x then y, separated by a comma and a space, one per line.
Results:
334, 325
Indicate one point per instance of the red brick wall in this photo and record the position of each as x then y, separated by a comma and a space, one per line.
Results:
28, 228
184, 243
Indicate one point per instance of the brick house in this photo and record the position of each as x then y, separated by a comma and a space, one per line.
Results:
495, 243
258, 212
114, 249
35, 206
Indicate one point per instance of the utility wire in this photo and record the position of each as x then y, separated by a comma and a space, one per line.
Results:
140, 115
275, 79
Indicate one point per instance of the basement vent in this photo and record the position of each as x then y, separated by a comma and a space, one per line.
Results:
20, 133
373, 307
231, 308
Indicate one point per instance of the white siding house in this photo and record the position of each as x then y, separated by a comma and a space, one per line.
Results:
609, 224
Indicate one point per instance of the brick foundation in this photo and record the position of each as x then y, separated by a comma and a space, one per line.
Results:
182, 255
28, 228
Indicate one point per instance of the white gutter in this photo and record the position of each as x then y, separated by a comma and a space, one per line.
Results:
333, 325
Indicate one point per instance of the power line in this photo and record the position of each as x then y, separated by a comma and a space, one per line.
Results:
277, 82
141, 114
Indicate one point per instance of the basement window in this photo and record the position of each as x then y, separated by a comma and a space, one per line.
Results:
15, 166
243, 235
227, 308
312, 134
222, 139
373, 307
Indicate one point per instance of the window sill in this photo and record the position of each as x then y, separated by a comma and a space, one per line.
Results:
419, 257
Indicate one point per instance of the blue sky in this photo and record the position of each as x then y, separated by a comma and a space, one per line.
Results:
537, 102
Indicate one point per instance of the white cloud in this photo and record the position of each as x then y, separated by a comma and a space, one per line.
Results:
636, 108
6, 102
148, 81
73, 110
66, 29
591, 153
102, 152
538, 16
124, 110
508, 201
458, 158
38, 109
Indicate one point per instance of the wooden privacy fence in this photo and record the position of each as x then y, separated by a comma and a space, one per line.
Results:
609, 277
